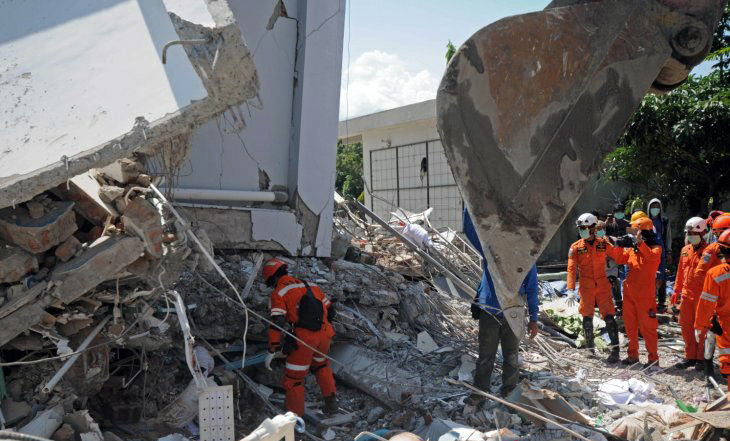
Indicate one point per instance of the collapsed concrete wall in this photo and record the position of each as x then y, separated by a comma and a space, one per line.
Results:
76, 105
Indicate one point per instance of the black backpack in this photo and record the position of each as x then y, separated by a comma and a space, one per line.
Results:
311, 311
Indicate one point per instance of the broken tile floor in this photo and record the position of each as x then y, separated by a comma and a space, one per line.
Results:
106, 258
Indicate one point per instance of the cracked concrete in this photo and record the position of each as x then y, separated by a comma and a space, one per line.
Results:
224, 65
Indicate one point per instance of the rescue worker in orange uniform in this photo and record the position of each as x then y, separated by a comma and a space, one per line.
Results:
642, 258
688, 287
587, 256
711, 258
303, 310
715, 299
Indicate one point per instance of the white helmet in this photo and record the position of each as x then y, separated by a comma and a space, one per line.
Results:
696, 225
586, 220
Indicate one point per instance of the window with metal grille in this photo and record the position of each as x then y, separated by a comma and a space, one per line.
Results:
415, 177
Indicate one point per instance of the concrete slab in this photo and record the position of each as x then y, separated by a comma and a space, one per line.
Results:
83, 190
104, 258
88, 86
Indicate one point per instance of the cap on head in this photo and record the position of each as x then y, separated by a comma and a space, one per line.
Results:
715, 213
637, 215
642, 224
696, 225
271, 266
618, 207
586, 220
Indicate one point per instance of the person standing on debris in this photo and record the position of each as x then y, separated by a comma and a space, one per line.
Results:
715, 300
587, 258
616, 227
642, 257
493, 326
304, 311
687, 290
664, 236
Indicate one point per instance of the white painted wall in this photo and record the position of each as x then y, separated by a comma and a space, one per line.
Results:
291, 134
75, 74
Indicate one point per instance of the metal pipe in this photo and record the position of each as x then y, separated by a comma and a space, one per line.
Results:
278, 197
66, 366
181, 42
454, 278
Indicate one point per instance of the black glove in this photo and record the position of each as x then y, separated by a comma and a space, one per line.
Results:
715, 327
331, 311
290, 345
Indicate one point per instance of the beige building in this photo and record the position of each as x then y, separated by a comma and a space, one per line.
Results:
404, 163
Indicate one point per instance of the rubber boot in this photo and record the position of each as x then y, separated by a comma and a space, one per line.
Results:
588, 330
709, 371
612, 328
330, 405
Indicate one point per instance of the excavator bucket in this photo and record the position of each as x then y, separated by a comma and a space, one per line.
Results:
529, 106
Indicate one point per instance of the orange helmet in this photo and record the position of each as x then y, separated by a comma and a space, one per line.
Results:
638, 215
642, 223
724, 239
271, 266
721, 222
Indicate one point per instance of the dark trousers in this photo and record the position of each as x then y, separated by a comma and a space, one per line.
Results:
492, 331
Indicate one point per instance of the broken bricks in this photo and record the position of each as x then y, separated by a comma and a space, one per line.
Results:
15, 263
142, 219
17, 227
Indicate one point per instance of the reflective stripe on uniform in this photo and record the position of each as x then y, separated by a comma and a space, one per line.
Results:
296, 367
709, 297
723, 351
271, 263
278, 311
722, 278
286, 289
318, 359
326, 301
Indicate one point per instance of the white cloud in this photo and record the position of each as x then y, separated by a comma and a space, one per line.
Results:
380, 81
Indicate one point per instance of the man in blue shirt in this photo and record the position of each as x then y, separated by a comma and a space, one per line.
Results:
494, 328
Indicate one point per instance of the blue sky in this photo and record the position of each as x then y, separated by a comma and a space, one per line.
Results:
394, 49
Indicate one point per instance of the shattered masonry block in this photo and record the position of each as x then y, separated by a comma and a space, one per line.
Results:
142, 219
123, 171
35, 209
109, 193
84, 191
105, 258
15, 264
67, 249
139, 267
38, 235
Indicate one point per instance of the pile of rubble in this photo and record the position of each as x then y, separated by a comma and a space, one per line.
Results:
106, 270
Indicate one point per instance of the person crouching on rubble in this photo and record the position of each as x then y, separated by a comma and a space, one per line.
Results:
642, 254
588, 256
494, 328
303, 310
687, 291
715, 299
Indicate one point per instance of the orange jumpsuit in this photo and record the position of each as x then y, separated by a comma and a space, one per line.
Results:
284, 302
710, 259
689, 285
715, 299
589, 259
640, 296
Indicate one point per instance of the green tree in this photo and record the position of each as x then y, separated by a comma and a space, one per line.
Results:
450, 50
677, 144
720, 51
348, 180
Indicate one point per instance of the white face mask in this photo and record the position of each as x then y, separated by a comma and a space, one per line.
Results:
694, 239
655, 212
